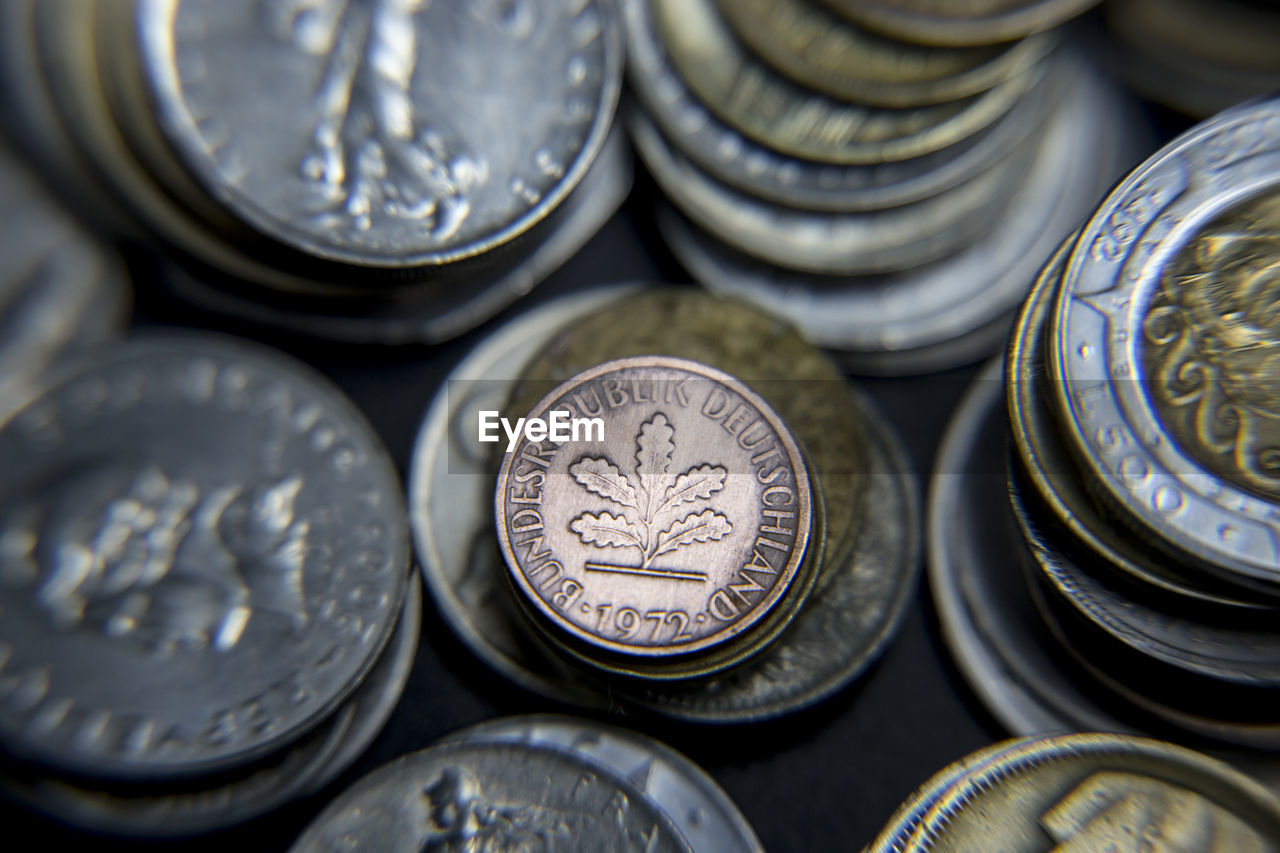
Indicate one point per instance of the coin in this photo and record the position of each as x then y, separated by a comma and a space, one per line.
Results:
1089, 791
375, 144
699, 808
1171, 271
491, 795
949, 311
832, 243
743, 163
61, 290
204, 555
814, 48
768, 108
716, 474
947, 24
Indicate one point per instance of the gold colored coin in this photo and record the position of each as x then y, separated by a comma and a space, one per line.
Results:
959, 23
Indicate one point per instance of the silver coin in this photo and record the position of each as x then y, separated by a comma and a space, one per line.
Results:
492, 796
60, 289
899, 318
843, 627
741, 162
699, 808
204, 551
831, 243
1163, 309
391, 132
439, 310
451, 503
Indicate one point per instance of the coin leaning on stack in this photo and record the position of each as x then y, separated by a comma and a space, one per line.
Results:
565, 783
785, 636
373, 172
891, 199
203, 564
1141, 391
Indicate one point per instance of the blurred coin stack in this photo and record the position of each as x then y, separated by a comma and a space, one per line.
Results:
734, 549
1143, 388
1197, 56
889, 190
389, 172
203, 576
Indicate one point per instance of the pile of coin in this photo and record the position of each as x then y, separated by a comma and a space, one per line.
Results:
741, 544
1197, 56
203, 581
1086, 792
888, 196
371, 172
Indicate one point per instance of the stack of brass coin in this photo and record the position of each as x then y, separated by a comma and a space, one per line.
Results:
739, 545
1085, 792
889, 196
1197, 56
536, 783
392, 171
203, 576
1143, 395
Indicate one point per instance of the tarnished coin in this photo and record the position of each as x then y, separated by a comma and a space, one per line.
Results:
765, 106
393, 133
203, 554
1163, 346
678, 527
833, 243
492, 796
946, 23
1094, 792
699, 808
60, 289
741, 162
816, 49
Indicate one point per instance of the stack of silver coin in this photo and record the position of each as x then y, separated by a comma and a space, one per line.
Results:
886, 177
1143, 393
772, 564
536, 783
1197, 56
203, 582
393, 171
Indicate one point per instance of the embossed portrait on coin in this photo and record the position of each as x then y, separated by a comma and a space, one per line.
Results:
1211, 347
137, 554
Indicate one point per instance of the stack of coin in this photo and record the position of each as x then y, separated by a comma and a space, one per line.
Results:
372, 171
536, 783
1086, 792
203, 564
746, 617
889, 197
1197, 56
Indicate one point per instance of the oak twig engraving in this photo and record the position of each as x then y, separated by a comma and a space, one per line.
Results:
651, 500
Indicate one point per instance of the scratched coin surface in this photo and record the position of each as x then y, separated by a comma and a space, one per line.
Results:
676, 531
1086, 792
492, 796
202, 553
1165, 342
383, 132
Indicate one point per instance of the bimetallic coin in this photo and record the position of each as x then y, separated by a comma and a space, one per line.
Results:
1162, 338
759, 103
699, 808
393, 133
494, 796
203, 554
812, 46
743, 163
1094, 791
946, 23
679, 527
